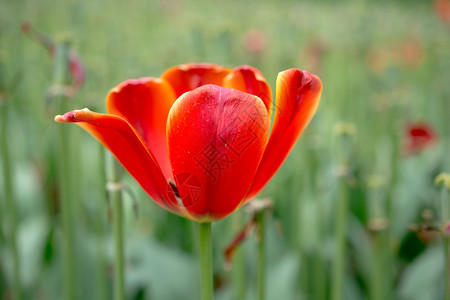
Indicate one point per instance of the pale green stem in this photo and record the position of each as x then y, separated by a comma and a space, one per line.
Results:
261, 272
446, 267
10, 202
206, 271
115, 196
445, 210
320, 274
344, 152
377, 290
340, 236
61, 80
102, 279
377, 210
65, 198
238, 271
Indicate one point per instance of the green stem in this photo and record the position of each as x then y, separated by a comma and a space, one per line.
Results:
65, 214
320, 274
115, 195
10, 202
446, 268
238, 276
378, 224
378, 266
102, 278
261, 273
206, 274
320, 277
445, 211
388, 251
61, 79
340, 252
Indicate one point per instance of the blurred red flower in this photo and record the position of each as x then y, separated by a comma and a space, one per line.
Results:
410, 53
197, 138
255, 42
419, 136
442, 8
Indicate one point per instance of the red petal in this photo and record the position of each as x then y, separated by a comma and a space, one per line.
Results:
216, 137
298, 96
185, 78
145, 104
419, 136
76, 68
250, 80
122, 140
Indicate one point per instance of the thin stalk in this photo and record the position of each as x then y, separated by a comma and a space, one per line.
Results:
61, 80
340, 252
345, 134
101, 287
206, 273
238, 271
320, 274
446, 240
10, 202
320, 277
297, 201
445, 211
379, 225
261, 272
378, 266
115, 196
389, 259
68, 238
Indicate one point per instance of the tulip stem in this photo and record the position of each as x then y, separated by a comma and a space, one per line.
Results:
102, 278
320, 278
377, 291
206, 274
261, 273
445, 212
379, 226
65, 215
446, 268
61, 80
340, 252
238, 275
10, 201
115, 195
345, 133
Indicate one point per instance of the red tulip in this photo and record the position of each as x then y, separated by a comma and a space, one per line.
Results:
442, 8
255, 42
410, 53
419, 136
197, 139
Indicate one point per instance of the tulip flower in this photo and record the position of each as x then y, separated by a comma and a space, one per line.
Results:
197, 138
255, 42
442, 8
418, 137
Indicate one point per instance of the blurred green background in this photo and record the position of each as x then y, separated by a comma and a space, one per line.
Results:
383, 64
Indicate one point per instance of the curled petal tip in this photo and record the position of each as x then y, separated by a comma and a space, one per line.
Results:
73, 116
59, 118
